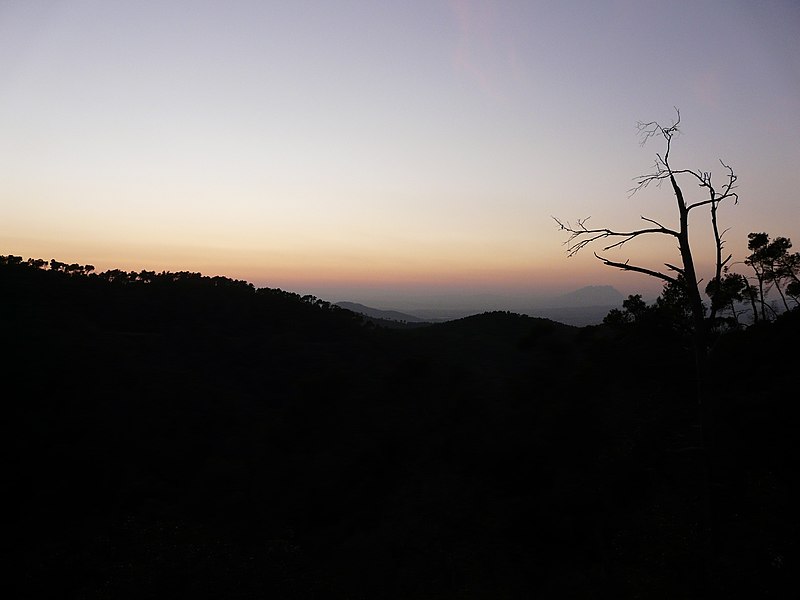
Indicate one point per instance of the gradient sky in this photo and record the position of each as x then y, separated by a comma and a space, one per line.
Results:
377, 150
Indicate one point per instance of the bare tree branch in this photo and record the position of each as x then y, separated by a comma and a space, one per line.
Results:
713, 196
653, 222
674, 268
659, 174
581, 236
652, 129
629, 267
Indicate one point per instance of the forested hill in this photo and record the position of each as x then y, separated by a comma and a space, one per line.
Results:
175, 434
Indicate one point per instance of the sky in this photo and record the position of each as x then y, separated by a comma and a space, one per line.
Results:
390, 153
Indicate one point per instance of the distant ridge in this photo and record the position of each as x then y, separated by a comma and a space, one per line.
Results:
376, 313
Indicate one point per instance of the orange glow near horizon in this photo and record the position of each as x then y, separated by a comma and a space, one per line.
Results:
411, 274
411, 149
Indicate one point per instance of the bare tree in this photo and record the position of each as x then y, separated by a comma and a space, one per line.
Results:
684, 275
581, 236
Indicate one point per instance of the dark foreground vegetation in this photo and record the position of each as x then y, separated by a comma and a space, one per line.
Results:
175, 435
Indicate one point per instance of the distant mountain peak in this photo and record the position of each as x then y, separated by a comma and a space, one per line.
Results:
590, 295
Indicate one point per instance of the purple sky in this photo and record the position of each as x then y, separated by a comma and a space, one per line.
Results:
377, 150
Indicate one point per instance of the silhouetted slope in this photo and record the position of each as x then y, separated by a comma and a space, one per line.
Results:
388, 315
179, 435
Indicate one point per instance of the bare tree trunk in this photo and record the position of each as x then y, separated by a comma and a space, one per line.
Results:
688, 272
580, 236
718, 271
705, 402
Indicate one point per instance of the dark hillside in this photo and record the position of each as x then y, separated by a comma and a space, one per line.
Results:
383, 315
180, 435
